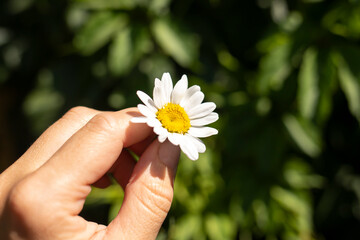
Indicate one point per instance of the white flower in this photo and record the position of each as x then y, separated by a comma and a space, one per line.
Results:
178, 114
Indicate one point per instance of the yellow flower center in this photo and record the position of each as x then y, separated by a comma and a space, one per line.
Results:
174, 118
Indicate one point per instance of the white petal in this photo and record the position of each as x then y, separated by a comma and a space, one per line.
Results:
162, 138
156, 97
175, 138
158, 83
159, 97
202, 131
146, 111
153, 122
179, 90
146, 100
138, 120
189, 92
158, 93
164, 99
194, 100
212, 117
159, 130
201, 110
167, 86
189, 150
199, 145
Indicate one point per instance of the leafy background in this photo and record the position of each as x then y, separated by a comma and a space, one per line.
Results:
284, 74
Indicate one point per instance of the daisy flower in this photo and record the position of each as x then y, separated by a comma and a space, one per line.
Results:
178, 114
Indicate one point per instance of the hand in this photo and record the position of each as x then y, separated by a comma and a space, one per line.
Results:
43, 192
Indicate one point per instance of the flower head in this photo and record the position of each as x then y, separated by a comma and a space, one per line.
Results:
178, 114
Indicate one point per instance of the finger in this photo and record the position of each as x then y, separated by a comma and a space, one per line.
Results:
124, 165
91, 151
121, 171
148, 195
45, 146
140, 147
56, 135
123, 168
103, 182
63, 182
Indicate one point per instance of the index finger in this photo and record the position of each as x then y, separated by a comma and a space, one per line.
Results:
44, 147
91, 151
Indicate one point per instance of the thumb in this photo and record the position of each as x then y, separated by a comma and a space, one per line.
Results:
148, 195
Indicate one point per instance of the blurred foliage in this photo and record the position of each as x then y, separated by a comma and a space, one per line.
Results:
284, 74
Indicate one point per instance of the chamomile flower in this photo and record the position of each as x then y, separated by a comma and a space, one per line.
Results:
178, 114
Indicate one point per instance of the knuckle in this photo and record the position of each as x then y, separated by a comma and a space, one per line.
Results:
103, 122
26, 208
78, 113
19, 200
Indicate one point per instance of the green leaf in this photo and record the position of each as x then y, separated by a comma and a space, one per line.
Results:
344, 20
327, 85
220, 227
350, 84
43, 103
308, 92
261, 214
114, 209
98, 31
128, 47
178, 43
18, 6
298, 174
158, 6
120, 53
297, 204
187, 227
274, 68
227, 60
111, 194
304, 135
107, 4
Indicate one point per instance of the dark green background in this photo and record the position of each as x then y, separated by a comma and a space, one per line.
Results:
285, 76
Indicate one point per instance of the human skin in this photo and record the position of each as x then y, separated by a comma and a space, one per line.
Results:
43, 192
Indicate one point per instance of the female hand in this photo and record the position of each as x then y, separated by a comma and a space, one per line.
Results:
43, 192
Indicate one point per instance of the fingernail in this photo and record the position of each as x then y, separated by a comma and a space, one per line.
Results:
169, 154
